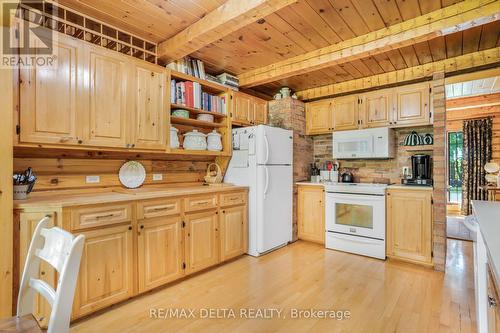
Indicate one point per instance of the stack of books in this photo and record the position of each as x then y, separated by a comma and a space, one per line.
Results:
190, 66
191, 95
229, 80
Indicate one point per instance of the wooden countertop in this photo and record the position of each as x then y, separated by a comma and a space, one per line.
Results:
59, 199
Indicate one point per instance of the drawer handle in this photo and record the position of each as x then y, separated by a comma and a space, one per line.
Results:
199, 203
104, 216
234, 198
156, 209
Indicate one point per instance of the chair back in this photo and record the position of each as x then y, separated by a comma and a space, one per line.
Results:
63, 251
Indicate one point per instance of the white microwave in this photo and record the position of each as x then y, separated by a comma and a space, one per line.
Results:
366, 143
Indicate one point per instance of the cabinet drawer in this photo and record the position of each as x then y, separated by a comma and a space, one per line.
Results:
157, 208
200, 202
101, 215
234, 198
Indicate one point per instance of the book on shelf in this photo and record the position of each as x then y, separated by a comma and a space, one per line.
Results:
190, 66
191, 94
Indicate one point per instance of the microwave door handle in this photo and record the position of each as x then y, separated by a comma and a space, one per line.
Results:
267, 181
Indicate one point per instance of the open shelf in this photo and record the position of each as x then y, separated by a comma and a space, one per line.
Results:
196, 111
197, 152
195, 122
208, 85
419, 148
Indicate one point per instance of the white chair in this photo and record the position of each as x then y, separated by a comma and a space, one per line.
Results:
62, 251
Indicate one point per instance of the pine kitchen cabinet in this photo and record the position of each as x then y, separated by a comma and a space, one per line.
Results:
248, 110
319, 117
311, 213
139, 241
345, 113
412, 105
376, 108
48, 98
95, 97
409, 224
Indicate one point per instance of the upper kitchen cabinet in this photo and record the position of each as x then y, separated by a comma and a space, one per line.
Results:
248, 110
319, 117
105, 103
345, 113
149, 116
412, 105
48, 98
376, 108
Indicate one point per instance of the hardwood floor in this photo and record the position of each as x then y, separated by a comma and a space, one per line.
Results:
381, 296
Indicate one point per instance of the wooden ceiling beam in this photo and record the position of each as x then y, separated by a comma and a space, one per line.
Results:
228, 18
458, 17
463, 62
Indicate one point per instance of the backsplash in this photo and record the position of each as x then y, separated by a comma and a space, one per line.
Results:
372, 171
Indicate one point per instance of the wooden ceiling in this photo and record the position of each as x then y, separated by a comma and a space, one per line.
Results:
154, 20
301, 27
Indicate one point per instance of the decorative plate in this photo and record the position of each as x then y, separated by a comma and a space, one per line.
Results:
491, 167
132, 174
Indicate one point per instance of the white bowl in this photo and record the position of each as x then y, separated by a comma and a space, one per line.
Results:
491, 167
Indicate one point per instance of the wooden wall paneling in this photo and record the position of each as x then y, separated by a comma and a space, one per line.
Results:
6, 222
438, 48
351, 16
423, 52
471, 39
289, 31
490, 35
389, 11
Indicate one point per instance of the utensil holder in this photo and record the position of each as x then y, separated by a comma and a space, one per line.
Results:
21, 192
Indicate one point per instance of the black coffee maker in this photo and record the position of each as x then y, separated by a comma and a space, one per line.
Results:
420, 171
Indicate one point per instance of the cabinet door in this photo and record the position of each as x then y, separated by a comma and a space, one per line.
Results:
259, 111
376, 108
108, 76
27, 224
159, 251
412, 105
106, 271
201, 241
319, 118
409, 225
345, 113
233, 232
493, 314
242, 107
149, 116
48, 107
311, 213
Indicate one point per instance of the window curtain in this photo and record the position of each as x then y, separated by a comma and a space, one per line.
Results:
477, 134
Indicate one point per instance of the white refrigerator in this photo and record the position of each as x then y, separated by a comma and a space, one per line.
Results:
262, 160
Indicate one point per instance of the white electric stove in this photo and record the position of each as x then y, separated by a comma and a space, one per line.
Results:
355, 218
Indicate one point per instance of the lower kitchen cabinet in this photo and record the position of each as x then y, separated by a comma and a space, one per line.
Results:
233, 236
493, 314
311, 213
409, 225
159, 251
106, 269
201, 240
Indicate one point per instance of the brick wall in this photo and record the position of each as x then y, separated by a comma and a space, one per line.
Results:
289, 113
439, 171
387, 171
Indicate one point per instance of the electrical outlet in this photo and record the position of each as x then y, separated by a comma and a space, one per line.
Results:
157, 176
92, 179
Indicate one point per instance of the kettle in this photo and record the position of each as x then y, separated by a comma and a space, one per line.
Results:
346, 177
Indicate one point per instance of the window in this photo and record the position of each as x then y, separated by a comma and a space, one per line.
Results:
455, 170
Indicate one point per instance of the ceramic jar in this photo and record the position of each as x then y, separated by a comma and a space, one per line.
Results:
195, 140
214, 141
285, 92
174, 139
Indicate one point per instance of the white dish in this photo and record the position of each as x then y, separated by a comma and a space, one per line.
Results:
491, 167
205, 117
132, 174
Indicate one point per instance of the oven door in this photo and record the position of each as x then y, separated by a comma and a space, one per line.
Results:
356, 214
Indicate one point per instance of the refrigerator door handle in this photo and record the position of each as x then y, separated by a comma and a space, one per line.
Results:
267, 149
267, 181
